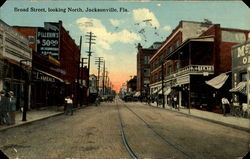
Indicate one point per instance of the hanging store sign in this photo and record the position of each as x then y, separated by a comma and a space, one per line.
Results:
48, 40
42, 77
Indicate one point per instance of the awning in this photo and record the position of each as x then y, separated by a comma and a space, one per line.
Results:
156, 91
218, 81
137, 94
166, 91
241, 88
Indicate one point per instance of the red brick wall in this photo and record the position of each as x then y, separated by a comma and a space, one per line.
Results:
69, 56
164, 52
222, 54
141, 66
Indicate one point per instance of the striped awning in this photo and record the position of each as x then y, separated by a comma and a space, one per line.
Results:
240, 88
137, 94
218, 81
166, 91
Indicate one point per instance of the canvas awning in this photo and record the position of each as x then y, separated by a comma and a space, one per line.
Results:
241, 88
137, 94
166, 91
156, 91
218, 81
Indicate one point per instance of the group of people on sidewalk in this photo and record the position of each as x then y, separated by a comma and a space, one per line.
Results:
173, 101
7, 108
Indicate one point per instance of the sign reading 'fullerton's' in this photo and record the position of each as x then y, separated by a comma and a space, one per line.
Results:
48, 40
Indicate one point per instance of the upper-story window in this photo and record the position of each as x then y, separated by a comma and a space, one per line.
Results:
146, 72
176, 66
177, 44
170, 49
169, 69
146, 59
31, 39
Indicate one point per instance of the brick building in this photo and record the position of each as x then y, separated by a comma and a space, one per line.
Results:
56, 59
143, 67
192, 56
241, 77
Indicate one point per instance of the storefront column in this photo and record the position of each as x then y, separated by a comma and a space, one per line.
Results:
1, 85
180, 99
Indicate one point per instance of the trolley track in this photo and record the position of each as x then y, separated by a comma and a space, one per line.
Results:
167, 142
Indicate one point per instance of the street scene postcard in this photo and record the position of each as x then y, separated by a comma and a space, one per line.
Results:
142, 79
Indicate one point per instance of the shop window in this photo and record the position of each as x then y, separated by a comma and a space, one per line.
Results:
243, 76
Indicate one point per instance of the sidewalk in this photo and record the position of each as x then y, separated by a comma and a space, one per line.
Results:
34, 115
231, 121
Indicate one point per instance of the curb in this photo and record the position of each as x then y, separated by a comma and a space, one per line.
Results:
30, 122
43, 118
206, 119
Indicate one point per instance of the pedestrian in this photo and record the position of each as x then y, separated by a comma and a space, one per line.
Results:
225, 104
12, 105
69, 105
175, 102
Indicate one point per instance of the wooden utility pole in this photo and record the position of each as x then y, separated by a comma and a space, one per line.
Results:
78, 99
90, 37
103, 78
98, 61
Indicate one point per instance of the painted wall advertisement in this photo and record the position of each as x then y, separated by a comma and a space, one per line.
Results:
48, 39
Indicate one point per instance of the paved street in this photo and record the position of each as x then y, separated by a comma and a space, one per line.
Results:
94, 132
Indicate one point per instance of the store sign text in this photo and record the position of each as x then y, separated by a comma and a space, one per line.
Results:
244, 52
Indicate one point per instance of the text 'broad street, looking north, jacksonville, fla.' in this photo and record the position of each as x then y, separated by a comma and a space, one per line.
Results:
69, 9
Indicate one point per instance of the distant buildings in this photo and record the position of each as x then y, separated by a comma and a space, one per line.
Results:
143, 67
131, 85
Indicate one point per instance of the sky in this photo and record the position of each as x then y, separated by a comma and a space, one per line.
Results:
118, 32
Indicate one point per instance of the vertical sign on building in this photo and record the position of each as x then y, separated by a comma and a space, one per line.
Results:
48, 39
248, 85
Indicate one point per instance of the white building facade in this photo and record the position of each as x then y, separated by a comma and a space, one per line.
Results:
15, 62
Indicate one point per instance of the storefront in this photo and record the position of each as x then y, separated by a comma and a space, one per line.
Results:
47, 89
241, 76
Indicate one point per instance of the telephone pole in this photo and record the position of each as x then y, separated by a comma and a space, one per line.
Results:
103, 78
90, 37
78, 98
98, 61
